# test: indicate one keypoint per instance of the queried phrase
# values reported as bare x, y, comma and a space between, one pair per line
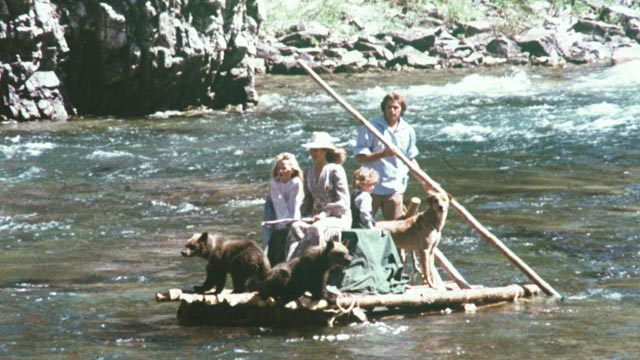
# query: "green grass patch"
509, 16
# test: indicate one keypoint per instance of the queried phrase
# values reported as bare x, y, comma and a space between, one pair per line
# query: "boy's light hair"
363, 176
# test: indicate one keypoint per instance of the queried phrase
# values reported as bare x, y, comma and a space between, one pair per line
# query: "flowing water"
94, 212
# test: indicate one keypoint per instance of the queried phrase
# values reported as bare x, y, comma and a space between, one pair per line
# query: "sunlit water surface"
93, 213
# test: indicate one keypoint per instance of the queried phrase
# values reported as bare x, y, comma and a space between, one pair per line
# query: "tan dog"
421, 233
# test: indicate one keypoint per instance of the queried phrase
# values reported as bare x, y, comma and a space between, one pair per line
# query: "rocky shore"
60, 58
606, 34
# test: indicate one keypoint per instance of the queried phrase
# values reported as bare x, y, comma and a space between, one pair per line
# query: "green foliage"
576, 7
409, 5
457, 10
284, 13
329, 12
385, 15
516, 16
335, 14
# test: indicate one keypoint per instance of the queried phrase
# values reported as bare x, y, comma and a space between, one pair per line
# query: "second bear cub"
309, 272
243, 259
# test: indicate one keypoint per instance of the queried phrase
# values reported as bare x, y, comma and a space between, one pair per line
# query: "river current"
94, 212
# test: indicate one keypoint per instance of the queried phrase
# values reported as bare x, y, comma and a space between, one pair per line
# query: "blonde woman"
285, 193
286, 187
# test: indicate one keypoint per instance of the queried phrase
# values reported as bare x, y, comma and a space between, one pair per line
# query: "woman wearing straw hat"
326, 199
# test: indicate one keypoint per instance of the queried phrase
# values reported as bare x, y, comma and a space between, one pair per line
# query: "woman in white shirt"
286, 193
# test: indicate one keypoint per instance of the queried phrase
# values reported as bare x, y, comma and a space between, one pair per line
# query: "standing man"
388, 194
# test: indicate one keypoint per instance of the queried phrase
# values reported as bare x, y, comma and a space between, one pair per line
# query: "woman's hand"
319, 217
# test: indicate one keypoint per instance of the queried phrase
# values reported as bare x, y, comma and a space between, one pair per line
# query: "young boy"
364, 180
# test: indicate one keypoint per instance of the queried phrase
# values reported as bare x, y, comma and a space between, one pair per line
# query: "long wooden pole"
421, 175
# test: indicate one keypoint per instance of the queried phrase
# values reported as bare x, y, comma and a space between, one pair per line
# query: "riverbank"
358, 36
135, 58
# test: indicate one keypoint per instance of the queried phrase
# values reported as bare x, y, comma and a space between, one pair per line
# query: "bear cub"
243, 259
309, 272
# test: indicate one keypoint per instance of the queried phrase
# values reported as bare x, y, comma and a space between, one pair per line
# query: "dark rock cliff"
124, 57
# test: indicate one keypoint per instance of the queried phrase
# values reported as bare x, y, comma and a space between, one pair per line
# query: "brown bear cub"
243, 259
309, 272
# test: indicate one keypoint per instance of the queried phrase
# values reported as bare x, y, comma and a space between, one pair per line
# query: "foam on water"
621, 75
245, 203
182, 208
31, 173
600, 109
101, 154
12, 225
596, 126
478, 85
461, 132
29, 149
272, 101
597, 293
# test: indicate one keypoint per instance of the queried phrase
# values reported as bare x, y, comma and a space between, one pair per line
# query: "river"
94, 212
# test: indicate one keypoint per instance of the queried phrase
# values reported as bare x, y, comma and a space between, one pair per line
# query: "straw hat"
320, 140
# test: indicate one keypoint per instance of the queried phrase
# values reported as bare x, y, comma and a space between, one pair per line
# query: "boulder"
445, 45
626, 53
503, 47
471, 28
633, 30
474, 59
379, 49
479, 41
419, 39
410, 56
352, 61
597, 28
306, 35
624, 12
539, 42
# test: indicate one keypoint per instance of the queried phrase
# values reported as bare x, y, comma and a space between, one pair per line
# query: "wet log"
247, 309
429, 298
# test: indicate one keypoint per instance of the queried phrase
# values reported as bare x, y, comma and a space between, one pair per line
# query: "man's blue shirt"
394, 174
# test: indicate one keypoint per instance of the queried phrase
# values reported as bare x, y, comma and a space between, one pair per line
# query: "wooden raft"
248, 309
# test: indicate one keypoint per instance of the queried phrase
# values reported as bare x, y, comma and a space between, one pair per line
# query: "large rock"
503, 47
597, 28
419, 39
539, 42
378, 49
472, 28
125, 57
306, 35
626, 53
32, 47
633, 30
412, 57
